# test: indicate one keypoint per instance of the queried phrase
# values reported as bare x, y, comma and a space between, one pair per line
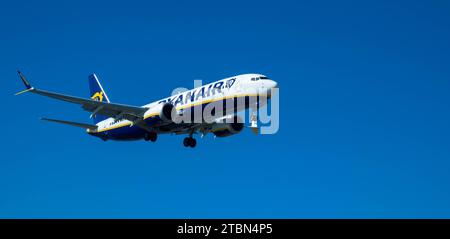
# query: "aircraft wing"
114, 110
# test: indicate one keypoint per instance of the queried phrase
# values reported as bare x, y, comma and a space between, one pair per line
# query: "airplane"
113, 121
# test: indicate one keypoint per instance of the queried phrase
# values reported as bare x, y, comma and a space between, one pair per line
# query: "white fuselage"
237, 86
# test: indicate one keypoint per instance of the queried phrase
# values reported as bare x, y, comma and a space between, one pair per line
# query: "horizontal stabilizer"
81, 125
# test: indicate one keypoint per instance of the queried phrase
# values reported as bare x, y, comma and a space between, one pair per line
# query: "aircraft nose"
272, 84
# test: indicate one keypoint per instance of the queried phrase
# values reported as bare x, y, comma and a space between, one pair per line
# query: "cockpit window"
254, 79
264, 78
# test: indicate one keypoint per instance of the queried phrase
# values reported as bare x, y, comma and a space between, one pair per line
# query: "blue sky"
364, 101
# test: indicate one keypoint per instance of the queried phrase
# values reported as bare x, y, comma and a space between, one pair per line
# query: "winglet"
25, 82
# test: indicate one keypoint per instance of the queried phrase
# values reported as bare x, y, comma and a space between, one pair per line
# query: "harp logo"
230, 83
98, 96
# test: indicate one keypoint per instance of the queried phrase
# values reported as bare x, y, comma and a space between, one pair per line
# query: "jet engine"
164, 111
224, 129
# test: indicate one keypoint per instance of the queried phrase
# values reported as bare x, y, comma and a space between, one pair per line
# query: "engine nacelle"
227, 129
164, 111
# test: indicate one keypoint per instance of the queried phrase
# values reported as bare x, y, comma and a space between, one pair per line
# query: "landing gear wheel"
151, 136
193, 143
189, 142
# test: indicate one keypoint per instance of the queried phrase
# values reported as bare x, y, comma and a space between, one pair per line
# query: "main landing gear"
189, 142
152, 136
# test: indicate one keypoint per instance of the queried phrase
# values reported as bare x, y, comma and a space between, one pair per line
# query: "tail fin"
97, 93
